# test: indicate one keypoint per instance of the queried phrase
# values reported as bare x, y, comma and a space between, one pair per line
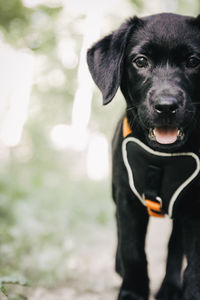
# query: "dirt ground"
96, 279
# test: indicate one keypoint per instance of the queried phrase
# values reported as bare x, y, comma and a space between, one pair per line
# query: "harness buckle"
154, 207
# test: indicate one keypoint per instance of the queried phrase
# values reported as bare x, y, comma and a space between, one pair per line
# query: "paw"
169, 291
129, 295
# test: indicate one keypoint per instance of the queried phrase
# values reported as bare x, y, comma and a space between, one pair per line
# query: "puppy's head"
156, 62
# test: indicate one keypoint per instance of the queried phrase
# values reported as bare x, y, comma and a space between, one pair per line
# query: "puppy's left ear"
106, 59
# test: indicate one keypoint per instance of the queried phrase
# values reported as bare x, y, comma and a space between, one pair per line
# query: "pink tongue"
166, 135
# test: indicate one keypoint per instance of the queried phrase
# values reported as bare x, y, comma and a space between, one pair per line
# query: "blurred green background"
55, 195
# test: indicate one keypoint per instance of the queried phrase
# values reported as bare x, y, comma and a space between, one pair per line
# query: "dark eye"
192, 62
141, 62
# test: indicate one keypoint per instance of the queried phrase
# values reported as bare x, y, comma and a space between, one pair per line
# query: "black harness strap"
152, 190
152, 182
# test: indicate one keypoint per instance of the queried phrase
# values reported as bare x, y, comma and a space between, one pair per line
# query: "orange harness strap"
154, 208
126, 127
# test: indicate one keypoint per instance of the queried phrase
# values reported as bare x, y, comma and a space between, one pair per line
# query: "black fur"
163, 93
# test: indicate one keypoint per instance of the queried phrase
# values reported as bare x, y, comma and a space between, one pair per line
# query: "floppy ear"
106, 59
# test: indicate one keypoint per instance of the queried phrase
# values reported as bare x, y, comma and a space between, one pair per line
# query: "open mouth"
166, 135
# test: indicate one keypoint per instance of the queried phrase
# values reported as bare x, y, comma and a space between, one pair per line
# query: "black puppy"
155, 61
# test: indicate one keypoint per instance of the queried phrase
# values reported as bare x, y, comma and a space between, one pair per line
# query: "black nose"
166, 105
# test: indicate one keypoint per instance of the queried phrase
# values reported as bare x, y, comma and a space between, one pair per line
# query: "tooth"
151, 134
180, 134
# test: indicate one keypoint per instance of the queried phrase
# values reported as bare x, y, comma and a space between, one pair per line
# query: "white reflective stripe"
162, 154
128, 167
185, 183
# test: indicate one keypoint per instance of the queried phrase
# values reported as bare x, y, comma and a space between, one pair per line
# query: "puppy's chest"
159, 180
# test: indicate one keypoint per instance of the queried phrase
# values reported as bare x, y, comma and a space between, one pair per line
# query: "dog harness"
159, 180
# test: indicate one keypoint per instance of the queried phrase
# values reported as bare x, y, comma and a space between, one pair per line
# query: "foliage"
28, 27
139, 4
12, 280
188, 7
12, 10
44, 203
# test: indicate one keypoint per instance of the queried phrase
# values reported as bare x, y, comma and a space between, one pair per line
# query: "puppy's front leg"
191, 283
132, 222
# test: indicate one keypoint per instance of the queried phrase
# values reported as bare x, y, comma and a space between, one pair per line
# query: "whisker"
131, 108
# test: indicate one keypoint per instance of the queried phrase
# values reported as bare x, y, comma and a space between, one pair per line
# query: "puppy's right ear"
106, 59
